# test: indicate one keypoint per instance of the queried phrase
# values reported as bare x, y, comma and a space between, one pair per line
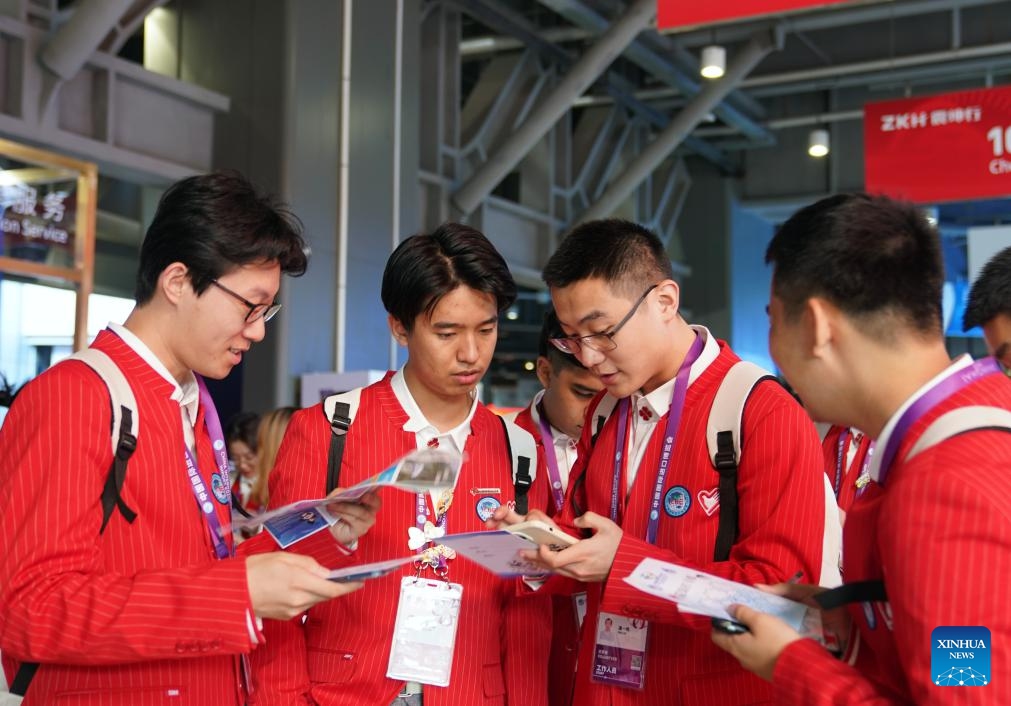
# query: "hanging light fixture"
817, 143
714, 61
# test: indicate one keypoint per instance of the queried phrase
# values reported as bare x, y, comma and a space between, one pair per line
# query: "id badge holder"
424, 634
619, 651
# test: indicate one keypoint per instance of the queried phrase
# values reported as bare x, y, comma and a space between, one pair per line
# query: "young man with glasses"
927, 545
990, 307
149, 605
443, 292
644, 485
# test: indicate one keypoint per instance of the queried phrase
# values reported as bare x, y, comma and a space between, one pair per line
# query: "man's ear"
173, 282
544, 371
820, 324
669, 296
397, 329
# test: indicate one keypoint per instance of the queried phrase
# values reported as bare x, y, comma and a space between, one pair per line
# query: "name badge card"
425, 631
619, 654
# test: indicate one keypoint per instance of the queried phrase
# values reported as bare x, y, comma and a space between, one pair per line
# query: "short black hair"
243, 427
214, 223
872, 257
426, 267
624, 254
991, 292
552, 329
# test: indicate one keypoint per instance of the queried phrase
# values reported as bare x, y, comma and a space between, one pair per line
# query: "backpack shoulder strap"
340, 411
601, 413
123, 433
723, 438
961, 420
522, 453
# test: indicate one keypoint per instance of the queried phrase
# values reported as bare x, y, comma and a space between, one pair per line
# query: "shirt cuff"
255, 627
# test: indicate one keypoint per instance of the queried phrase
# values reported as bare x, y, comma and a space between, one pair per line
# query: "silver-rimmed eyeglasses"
600, 342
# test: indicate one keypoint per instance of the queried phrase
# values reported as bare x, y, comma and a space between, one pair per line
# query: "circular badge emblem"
486, 507
219, 444
219, 489
677, 501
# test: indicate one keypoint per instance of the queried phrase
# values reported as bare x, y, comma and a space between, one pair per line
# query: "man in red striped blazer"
864, 347
154, 609
555, 419
645, 485
443, 292
989, 306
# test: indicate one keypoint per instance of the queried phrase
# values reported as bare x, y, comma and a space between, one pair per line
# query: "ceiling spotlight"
512, 313
714, 61
817, 143
528, 366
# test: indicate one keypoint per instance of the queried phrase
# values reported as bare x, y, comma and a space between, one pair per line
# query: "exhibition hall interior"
379, 119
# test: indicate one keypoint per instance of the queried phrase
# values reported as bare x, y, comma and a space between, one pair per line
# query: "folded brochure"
495, 550
421, 471
361, 572
700, 593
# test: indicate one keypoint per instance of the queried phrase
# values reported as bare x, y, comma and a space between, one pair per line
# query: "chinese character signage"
38, 219
686, 13
951, 147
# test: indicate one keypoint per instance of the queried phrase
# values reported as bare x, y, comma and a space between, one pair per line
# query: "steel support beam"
681, 126
619, 89
582, 74
657, 64
71, 45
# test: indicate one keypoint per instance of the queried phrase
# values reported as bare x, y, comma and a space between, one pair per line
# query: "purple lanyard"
218, 535
422, 505
840, 459
554, 476
927, 401
677, 404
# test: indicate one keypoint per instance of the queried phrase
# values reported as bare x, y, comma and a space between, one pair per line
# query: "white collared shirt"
564, 446
657, 403
424, 431
187, 394
874, 469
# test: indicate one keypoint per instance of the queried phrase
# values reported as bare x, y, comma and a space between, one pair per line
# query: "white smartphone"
541, 532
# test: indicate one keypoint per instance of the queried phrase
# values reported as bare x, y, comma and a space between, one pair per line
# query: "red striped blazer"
339, 654
781, 521
143, 614
939, 532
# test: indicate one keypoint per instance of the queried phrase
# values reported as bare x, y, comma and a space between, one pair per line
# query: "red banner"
951, 147
686, 13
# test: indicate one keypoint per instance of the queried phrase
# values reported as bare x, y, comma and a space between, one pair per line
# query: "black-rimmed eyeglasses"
600, 342
256, 311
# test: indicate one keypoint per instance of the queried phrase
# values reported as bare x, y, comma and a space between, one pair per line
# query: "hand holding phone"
541, 532
729, 627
